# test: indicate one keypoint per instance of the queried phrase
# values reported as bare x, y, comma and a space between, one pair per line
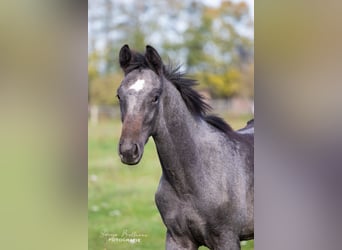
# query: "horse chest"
180, 215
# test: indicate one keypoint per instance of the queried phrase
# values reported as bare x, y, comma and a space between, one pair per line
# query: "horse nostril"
129, 151
136, 149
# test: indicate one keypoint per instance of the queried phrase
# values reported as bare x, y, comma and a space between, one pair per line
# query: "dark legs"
228, 241
179, 243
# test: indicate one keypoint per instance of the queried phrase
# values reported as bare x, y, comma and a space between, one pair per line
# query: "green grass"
121, 198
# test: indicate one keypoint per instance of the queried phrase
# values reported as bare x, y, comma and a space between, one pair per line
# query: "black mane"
138, 61
193, 100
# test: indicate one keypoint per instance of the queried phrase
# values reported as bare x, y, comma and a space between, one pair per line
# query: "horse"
206, 191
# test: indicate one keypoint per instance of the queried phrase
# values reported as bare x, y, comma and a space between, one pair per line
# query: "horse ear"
153, 58
125, 56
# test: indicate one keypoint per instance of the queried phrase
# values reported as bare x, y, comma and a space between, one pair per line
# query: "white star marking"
138, 85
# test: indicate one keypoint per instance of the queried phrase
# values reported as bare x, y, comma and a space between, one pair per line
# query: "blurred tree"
217, 53
247, 86
130, 27
209, 40
102, 90
93, 72
223, 85
93, 61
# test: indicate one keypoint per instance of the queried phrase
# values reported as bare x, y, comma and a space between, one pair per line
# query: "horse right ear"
154, 58
125, 56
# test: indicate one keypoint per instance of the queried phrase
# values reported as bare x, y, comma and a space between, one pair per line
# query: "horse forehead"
144, 80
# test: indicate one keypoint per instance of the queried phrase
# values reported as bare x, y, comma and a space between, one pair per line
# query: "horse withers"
206, 191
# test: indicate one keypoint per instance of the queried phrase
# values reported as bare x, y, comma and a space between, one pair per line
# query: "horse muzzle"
130, 153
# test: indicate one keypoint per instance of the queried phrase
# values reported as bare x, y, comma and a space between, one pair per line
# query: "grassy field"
121, 209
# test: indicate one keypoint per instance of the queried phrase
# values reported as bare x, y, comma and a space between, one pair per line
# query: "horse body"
205, 194
202, 180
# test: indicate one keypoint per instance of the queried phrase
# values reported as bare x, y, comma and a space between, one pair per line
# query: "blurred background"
214, 43
212, 40
44, 129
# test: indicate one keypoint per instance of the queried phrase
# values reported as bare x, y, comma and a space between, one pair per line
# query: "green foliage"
221, 85
111, 60
93, 62
102, 90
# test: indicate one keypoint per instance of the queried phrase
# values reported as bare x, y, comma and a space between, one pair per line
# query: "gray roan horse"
205, 194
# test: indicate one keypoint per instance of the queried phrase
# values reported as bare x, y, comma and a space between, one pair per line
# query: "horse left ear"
154, 59
125, 56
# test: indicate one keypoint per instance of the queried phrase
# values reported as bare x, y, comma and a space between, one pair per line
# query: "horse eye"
118, 97
155, 99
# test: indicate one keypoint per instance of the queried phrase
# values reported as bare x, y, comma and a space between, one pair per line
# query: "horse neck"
175, 140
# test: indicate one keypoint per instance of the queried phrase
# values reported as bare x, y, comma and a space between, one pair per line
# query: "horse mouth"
129, 160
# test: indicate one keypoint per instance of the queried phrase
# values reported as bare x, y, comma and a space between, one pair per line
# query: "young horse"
205, 194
